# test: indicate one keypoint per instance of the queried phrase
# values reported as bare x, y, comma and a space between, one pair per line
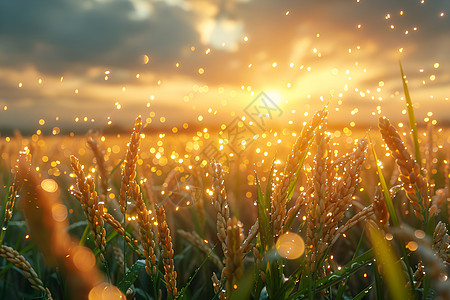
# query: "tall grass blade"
378, 282
181, 294
244, 286
387, 196
263, 207
364, 292
384, 253
293, 183
341, 288
411, 118
131, 276
350, 268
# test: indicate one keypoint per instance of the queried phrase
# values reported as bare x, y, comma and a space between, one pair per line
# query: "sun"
276, 97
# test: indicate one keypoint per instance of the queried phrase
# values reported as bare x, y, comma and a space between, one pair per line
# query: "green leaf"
197, 293
181, 293
364, 292
378, 282
244, 286
289, 285
387, 196
339, 276
412, 118
117, 166
131, 275
293, 183
268, 191
385, 254
341, 289
265, 227
85, 235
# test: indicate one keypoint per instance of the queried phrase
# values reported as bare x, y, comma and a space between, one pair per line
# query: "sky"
78, 64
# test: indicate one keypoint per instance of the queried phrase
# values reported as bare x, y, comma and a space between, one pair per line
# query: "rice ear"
129, 164
165, 239
414, 183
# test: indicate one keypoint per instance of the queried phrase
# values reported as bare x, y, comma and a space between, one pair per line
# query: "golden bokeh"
290, 245
83, 258
146, 59
49, 185
105, 291
59, 212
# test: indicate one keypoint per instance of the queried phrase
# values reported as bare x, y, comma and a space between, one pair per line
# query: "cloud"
81, 39
57, 36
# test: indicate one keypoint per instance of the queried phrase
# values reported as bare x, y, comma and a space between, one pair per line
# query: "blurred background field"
177, 171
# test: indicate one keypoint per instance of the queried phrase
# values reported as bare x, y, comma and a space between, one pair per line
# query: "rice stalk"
129, 164
92, 208
16, 186
318, 199
287, 180
293, 211
413, 182
131, 243
99, 155
364, 214
221, 204
252, 233
22, 264
419, 275
337, 201
145, 228
202, 245
165, 240
233, 260
429, 158
441, 242
217, 287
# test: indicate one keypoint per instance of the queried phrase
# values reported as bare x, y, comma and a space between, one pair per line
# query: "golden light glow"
59, 212
83, 258
49, 185
105, 291
290, 245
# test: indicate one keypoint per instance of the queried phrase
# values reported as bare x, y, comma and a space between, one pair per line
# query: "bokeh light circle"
49, 185
83, 258
105, 291
290, 245
59, 212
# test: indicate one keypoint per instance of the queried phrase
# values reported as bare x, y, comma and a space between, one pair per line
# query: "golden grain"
170, 275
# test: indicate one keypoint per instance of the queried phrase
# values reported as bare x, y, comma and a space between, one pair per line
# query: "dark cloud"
71, 35
75, 37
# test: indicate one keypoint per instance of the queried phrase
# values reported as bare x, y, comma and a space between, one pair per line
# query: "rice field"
316, 213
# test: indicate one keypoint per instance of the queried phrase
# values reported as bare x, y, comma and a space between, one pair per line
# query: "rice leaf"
384, 253
350, 268
263, 206
181, 294
387, 196
378, 282
289, 285
341, 288
411, 118
131, 276
244, 286
364, 292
